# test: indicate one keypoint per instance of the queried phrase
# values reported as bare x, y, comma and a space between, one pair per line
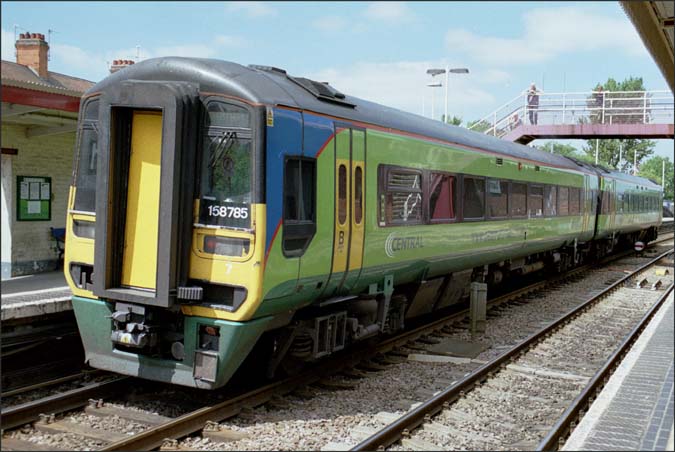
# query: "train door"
139, 261
350, 184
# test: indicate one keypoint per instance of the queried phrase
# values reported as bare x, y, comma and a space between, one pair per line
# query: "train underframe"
333, 325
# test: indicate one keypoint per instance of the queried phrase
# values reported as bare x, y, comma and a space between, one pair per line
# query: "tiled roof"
14, 74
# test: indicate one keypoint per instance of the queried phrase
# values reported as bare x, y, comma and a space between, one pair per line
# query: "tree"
454, 120
561, 149
652, 169
608, 149
480, 126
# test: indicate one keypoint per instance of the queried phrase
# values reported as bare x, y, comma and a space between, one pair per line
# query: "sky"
378, 51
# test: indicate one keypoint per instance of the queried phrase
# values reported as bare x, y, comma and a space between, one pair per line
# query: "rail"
574, 412
590, 107
417, 416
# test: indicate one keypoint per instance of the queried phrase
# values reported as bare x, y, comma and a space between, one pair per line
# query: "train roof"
273, 86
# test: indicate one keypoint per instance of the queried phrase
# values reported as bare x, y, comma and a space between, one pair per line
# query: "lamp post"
433, 100
434, 73
447, 71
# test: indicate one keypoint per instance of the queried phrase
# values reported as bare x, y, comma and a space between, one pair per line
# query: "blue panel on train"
318, 131
283, 138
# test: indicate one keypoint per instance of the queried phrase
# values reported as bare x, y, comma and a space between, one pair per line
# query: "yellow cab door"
349, 210
139, 262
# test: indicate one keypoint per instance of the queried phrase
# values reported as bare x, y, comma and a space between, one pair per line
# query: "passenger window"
443, 197
550, 201
574, 201
498, 198
403, 196
474, 198
299, 205
358, 195
518, 199
535, 201
604, 208
563, 201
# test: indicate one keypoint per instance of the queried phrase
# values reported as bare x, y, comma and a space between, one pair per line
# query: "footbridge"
591, 114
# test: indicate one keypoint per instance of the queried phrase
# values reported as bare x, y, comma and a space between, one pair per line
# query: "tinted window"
342, 194
299, 190
87, 156
299, 193
498, 198
550, 200
474, 197
535, 201
518, 199
563, 201
574, 201
358, 195
604, 206
443, 197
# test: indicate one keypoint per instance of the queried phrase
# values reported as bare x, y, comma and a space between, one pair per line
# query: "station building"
39, 120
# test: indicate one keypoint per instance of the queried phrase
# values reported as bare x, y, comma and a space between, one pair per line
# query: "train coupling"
130, 329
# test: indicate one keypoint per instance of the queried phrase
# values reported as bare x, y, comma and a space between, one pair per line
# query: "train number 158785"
228, 211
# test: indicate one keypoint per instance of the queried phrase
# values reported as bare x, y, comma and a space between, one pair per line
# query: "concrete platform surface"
634, 411
35, 295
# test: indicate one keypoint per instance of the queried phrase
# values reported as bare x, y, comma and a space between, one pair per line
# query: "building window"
474, 198
498, 198
299, 205
535, 201
443, 197
518, 199
550, 201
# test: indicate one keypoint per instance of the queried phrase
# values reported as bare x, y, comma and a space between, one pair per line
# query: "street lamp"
434, 73
446, 71
433, 100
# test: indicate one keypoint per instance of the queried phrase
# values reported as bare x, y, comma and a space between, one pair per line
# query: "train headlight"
226, 246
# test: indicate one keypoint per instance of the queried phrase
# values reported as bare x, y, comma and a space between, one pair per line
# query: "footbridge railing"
591, 107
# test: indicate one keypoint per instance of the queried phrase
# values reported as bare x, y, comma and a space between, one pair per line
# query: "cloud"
548, 33
329, 24
390, 12
8, 45
402, 85
251, 9
80, 61
230, 41
185, 50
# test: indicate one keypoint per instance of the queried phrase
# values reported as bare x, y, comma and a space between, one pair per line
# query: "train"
221, 213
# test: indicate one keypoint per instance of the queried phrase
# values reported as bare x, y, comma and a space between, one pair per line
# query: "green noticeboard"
33, 198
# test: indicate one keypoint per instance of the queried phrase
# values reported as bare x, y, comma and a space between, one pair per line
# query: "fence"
592, 107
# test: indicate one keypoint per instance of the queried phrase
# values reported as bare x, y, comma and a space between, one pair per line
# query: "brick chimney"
120, 64
31, 51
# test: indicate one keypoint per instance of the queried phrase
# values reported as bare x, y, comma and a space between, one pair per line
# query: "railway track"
152, 430
552, 370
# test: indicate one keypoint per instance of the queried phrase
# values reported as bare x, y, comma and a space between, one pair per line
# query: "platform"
634, 411
35, 295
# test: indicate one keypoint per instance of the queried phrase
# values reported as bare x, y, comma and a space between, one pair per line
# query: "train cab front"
168, 276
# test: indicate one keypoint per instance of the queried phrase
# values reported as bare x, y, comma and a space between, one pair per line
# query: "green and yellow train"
219, 211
